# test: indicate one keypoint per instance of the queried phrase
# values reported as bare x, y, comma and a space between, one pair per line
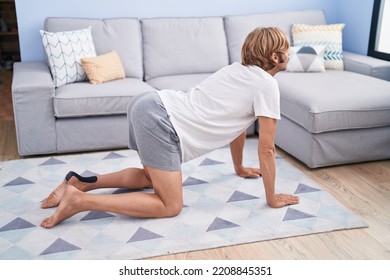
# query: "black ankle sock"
91, 179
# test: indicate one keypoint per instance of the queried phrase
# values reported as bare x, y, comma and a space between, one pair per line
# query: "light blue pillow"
306, 59
64, 51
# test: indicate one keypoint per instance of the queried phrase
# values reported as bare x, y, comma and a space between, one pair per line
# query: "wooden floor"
364, 188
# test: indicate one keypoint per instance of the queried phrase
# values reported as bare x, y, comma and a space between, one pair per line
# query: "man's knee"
176, 209
172, 210
167, 186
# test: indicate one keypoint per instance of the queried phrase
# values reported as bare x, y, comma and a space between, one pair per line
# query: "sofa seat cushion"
178, 82
334, 100
86, 99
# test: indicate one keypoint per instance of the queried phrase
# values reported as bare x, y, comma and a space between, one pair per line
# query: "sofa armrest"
367, 65
32, 96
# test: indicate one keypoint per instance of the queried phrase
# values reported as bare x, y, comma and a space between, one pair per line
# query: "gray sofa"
328, 118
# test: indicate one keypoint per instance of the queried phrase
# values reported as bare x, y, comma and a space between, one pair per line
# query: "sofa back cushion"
238, 27
177, 46
122, 35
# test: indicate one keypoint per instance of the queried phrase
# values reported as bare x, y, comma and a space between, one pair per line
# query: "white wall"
31, 14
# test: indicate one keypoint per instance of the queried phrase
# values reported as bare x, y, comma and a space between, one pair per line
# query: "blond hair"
261, 44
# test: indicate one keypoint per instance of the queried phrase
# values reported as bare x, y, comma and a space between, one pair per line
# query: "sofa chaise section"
332, 117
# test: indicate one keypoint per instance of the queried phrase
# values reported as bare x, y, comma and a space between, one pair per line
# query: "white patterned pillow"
329, 35
64, 51
306, 59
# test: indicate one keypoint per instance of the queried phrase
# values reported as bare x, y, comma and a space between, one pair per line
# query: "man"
169, 127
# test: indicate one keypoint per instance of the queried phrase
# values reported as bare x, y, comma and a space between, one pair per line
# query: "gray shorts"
152, 134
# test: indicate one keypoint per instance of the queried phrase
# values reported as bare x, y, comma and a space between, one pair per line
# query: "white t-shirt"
220, 108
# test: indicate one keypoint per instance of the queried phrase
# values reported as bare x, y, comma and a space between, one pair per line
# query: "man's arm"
236, 149
266, 151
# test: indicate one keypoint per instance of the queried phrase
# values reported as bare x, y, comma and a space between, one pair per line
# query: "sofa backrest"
238, 27
120, 34
157, 47
177, 46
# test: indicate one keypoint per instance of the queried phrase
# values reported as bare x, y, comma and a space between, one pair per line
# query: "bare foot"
68, 207
281, 200
54, 198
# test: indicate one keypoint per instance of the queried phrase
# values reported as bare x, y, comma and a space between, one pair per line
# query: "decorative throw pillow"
328, 35
64, 51
306, 59
103, 68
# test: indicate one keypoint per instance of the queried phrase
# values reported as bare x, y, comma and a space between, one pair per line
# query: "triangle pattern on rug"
240, 196
219, 210
219, 223
59, 246
302, 188
52, 161
208, 161
113, 155
18, 181
143, 234
293, 214
17, 223
88, 173
94, 215
190, 181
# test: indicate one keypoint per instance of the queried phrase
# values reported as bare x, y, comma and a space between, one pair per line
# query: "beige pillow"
103, 68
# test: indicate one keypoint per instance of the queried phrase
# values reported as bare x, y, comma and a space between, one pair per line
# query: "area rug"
220, 209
